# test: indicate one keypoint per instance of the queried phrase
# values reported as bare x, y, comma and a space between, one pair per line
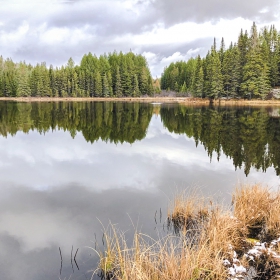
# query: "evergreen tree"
105, 86
98, 85
271, 38
198, 79
23, 88
125, 78
118, 84
143, 82
255, 72
222, 50
136, 91
184, 88
214, 83
231, 71
243, 45
9, 79
52, 82
176, 87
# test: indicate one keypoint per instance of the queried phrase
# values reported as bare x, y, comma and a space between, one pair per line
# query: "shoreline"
181, 100
203, 239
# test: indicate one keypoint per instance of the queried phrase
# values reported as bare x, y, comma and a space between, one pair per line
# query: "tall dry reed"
206, 235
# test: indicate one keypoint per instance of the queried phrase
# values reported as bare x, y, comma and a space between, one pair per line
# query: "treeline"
114, 122
247, 69
249, 136
115, 75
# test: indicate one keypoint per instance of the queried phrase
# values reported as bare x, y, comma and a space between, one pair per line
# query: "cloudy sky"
162, 30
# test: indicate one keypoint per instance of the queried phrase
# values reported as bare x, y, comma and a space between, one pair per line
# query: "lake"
68, 170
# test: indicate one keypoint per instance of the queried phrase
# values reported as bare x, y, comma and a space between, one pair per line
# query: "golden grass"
258, 210
182, 100
189, 211
207, 234
165, 259
106, 99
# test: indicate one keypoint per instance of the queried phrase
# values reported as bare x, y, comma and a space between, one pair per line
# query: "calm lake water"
68, 169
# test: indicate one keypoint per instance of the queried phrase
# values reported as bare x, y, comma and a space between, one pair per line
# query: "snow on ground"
237, 271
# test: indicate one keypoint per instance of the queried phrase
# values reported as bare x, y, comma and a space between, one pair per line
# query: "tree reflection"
108, 121
249, 136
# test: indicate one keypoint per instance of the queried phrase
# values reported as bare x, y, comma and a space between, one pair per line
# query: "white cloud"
157, 64
56, 35
14, 38
52, 31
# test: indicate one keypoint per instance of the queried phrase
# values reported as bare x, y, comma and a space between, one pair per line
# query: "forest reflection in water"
65, 166
114, 122
249, 136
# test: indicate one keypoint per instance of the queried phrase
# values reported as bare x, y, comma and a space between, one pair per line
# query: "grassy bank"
160, 99
210, 241
120, 99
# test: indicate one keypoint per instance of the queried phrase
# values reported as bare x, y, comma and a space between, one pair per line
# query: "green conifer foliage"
23, 74
183, 88
246, 69
105, 86
135, 87
9, 79
52, 81
118, 83
98, 85
198, 81
143, 82
231, 71
176, 87
256, 72
109, 75
214, 83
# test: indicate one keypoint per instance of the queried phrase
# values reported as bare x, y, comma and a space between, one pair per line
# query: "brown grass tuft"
166, 259
258, 208
206, 235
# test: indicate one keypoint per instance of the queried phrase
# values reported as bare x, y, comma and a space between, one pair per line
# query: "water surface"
69, 168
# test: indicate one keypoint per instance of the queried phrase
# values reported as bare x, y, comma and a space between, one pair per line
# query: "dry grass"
206, 234
205, 221
165, 259
188, 212
258, 210
182, 100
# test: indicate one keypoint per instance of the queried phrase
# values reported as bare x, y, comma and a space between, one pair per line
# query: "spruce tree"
231, 71
198, 79
23, 88
135, 86
214, 84
125, 78
274, 57
255, 72
98, 85
143, 82
183, 88
222, 50
118, 84
9, 79
52, 81
176, 87
105, 86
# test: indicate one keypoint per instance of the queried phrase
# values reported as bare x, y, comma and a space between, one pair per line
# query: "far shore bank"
181, 100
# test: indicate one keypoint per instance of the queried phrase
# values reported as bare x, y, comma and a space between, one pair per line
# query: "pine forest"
112, 75
248, 69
